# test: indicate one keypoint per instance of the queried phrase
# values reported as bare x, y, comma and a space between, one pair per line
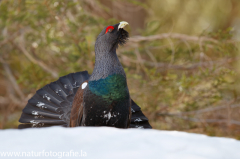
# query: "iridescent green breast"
112, 88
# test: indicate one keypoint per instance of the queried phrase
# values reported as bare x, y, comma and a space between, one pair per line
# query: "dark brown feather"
77, 108
130, 115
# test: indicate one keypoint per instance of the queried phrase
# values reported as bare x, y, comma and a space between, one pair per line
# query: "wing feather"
77, 108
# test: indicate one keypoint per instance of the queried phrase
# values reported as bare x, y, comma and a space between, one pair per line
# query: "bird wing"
77, 107
130, 114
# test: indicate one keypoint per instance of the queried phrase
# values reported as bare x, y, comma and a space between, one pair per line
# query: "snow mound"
113, 143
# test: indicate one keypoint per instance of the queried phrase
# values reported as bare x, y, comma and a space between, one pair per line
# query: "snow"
113, 143
34, 113
137, 120
108, 116
46, 96
40, 105
132, 110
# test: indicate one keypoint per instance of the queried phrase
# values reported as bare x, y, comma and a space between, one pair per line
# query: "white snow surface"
113, 143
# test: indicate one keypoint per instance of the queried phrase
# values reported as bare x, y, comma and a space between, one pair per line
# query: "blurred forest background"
181, 59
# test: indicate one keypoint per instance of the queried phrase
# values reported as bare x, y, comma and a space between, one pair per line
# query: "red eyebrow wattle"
109, 27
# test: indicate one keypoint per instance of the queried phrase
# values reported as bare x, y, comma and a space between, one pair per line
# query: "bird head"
112, 36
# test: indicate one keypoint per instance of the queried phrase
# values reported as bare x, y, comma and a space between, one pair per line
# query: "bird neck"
106, 64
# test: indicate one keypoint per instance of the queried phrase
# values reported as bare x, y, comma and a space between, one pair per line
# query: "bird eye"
109, 29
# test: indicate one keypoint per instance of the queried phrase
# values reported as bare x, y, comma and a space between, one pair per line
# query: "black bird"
80, 99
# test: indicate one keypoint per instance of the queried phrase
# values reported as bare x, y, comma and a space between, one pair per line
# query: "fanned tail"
138, 120
51, 105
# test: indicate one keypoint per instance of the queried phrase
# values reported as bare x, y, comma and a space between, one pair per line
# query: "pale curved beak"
122, 24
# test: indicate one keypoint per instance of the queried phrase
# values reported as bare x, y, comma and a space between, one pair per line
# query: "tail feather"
138, 120
143, 125
39, 120
67, 84
135, 107
41, 103
138, 116
59, 90
31, 110
24, 126
53, 96
49, 97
